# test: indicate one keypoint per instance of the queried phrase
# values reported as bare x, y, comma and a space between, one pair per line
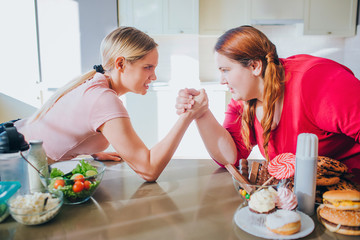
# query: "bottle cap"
11, 140
35, 141
307, 146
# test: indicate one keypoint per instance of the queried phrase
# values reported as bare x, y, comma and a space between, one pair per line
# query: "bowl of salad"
76, 179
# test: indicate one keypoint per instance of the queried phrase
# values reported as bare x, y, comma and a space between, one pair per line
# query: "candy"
282, 166
244, 168
242, 181
243, 193
254, 172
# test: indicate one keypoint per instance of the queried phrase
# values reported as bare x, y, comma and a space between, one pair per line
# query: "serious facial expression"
138, 75
240, 80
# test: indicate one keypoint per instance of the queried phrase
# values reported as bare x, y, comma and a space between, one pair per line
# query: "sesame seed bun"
340, 221
342, 199
333, 228
352, 195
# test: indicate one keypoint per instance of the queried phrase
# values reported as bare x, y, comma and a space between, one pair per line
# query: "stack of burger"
331, 176
340, 211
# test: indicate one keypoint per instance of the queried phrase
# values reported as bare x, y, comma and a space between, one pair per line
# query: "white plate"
255, 224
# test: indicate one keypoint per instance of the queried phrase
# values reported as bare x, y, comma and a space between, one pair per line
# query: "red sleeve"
333, 94
232, 124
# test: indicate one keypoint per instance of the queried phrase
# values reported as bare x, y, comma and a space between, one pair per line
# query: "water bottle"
305, 172
37, 157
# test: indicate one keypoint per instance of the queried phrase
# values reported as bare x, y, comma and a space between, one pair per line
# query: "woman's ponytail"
273, 87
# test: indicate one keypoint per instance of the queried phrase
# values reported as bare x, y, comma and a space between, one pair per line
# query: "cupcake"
286, 199
263, 201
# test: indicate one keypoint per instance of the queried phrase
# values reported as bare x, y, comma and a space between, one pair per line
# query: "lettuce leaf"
55, 172
82, 167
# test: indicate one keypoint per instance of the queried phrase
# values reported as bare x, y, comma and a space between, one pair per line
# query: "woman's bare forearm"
162, 152
217, 139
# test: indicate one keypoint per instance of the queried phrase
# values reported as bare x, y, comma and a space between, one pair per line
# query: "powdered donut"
283, 222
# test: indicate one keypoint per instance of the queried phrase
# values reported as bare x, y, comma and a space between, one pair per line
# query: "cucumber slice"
90, 173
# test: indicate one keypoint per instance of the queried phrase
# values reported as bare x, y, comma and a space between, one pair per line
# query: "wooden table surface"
192, 199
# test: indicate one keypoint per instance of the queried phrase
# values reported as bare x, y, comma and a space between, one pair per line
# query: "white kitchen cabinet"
330, 17
160, 16
181, 16
218, 16
276, 11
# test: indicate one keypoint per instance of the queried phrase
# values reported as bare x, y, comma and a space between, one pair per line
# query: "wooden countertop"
192, 199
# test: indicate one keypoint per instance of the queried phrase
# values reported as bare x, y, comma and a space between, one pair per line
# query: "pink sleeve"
332, 92
106, 106
232, 124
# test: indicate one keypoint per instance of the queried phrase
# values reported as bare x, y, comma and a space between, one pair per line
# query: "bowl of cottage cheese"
35, 208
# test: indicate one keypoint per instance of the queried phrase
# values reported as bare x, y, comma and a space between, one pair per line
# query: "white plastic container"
37, 157
305, 172
14, 168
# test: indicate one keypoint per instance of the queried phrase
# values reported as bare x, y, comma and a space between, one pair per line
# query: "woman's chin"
143, 92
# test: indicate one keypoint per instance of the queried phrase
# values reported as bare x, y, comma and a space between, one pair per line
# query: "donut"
283, 222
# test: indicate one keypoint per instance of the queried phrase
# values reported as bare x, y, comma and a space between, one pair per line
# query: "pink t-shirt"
321, 97
70, 127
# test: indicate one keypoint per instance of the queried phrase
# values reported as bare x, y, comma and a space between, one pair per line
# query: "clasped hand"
192, 101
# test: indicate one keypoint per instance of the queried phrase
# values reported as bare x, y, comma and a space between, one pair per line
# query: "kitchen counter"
192, 199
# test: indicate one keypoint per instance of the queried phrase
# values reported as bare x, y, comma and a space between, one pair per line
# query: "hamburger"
342, 199
340, 211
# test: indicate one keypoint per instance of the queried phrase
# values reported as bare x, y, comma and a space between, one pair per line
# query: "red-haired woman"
275, 99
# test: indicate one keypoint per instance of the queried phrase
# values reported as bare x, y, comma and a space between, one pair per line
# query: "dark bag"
11, 140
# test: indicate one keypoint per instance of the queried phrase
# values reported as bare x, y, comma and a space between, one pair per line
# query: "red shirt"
321, 97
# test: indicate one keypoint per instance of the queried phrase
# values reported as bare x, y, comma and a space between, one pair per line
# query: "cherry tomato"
59, 182
87, 184
79, 178
78, 186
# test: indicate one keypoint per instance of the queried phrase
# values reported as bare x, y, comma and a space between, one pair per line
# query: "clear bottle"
305, 172
37, 157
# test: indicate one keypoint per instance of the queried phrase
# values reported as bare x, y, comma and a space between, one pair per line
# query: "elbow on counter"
149, 176
223, 163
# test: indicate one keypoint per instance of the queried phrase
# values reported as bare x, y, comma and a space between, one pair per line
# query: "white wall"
19, 64
352, 53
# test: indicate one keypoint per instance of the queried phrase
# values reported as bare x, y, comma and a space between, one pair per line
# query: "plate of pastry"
280, 224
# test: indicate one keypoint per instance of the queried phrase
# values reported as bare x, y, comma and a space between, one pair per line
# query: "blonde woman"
86, 115
275, 99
